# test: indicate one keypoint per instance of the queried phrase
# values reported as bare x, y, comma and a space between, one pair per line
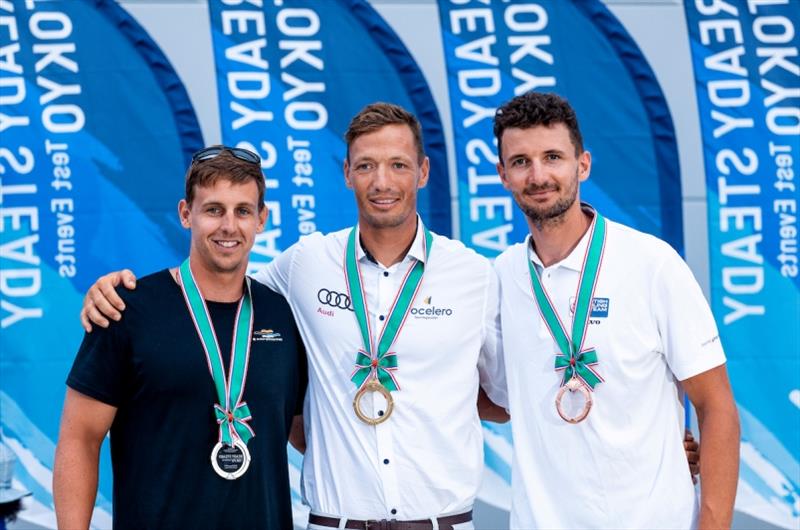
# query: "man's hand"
297, 435
488, 411
102, 301
692, 449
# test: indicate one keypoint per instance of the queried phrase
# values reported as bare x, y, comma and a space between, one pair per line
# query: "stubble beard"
553, 215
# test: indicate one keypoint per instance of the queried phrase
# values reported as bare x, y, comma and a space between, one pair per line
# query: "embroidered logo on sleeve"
266, 335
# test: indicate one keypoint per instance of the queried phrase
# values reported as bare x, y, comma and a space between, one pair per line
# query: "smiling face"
541, 168
224, 218
384, 171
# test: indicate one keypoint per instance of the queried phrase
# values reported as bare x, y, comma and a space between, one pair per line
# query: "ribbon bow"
579, 364
229, 421
382, 368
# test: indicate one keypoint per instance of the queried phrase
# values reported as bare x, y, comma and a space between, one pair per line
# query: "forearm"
75, 482
719, 465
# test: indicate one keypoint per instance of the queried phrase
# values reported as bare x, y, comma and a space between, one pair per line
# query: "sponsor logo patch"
428, 311
266, 335
599, 308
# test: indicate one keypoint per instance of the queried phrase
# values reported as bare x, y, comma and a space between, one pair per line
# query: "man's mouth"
226, 243
383, 202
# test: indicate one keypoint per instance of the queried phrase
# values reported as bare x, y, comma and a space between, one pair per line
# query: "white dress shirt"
624, 466
426, 460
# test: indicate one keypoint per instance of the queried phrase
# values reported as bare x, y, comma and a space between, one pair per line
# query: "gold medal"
373, 385
574, 385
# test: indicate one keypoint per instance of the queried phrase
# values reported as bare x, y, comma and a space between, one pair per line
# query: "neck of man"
388, 245
554, 239
218, 286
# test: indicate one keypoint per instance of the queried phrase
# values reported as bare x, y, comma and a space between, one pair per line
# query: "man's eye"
519, 162
244, 211
399, 165
553, 156
214, 210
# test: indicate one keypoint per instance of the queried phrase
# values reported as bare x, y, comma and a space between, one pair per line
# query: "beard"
548, 215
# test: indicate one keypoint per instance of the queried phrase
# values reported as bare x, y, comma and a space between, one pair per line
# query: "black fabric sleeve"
100, 367
302, 372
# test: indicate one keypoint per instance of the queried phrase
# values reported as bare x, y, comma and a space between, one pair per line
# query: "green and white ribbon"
230, 411
376, 361
574, 359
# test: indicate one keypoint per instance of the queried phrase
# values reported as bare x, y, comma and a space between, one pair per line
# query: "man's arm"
710, 393
102, 302
84, 424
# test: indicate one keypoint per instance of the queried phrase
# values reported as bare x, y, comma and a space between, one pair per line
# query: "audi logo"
334, 299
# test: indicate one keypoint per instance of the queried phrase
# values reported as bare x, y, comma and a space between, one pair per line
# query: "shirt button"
381, 318
380, 413
394, 511
386, 273
386, 461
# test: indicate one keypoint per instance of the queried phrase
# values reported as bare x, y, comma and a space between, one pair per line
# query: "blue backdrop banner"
289, 80
96, 131
581, 51
748, 93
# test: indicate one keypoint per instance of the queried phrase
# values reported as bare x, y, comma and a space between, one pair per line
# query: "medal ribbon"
230, 411
380, 363
574, 359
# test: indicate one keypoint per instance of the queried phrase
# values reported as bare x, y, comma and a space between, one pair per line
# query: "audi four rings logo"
334, 299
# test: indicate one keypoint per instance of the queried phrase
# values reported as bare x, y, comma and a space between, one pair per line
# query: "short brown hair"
378, 115
224, 166
536, 108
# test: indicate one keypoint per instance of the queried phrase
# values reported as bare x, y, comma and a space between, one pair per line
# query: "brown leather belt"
445, 523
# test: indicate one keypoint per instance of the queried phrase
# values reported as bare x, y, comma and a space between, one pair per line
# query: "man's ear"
183, 213
346, 169
262, 218
584, 165
424, 171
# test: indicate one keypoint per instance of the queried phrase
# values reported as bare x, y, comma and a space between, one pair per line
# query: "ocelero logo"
429, 311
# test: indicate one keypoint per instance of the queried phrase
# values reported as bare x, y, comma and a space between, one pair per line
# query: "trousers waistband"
445, 523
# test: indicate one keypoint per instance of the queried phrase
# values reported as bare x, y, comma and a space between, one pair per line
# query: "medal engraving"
574, 385
230, 461
373, 386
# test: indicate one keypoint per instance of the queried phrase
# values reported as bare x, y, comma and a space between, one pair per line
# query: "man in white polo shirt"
401, 329
602, 325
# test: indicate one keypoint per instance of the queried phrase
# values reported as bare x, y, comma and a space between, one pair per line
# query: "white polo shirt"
624, 466
427, 459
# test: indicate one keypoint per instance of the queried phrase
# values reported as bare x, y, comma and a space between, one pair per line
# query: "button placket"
387, 285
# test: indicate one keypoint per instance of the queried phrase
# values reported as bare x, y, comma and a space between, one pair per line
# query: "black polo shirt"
151, 366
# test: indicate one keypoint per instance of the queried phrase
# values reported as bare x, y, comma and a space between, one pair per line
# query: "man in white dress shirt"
643, 330
414, 322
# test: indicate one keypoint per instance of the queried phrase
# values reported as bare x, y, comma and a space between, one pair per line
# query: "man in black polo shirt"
205, 361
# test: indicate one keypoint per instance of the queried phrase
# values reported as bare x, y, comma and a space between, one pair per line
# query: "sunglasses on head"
212, 152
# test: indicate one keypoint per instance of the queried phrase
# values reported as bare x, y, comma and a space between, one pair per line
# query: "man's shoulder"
147, 287
458, 251
263, 295
635, 242
317, 241
510, 255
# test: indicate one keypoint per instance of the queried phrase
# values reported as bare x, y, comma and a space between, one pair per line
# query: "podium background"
154, 87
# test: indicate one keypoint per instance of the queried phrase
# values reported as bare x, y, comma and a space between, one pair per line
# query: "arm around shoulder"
84, 424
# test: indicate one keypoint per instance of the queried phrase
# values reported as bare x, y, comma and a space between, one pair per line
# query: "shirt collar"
417, 250
574, 260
